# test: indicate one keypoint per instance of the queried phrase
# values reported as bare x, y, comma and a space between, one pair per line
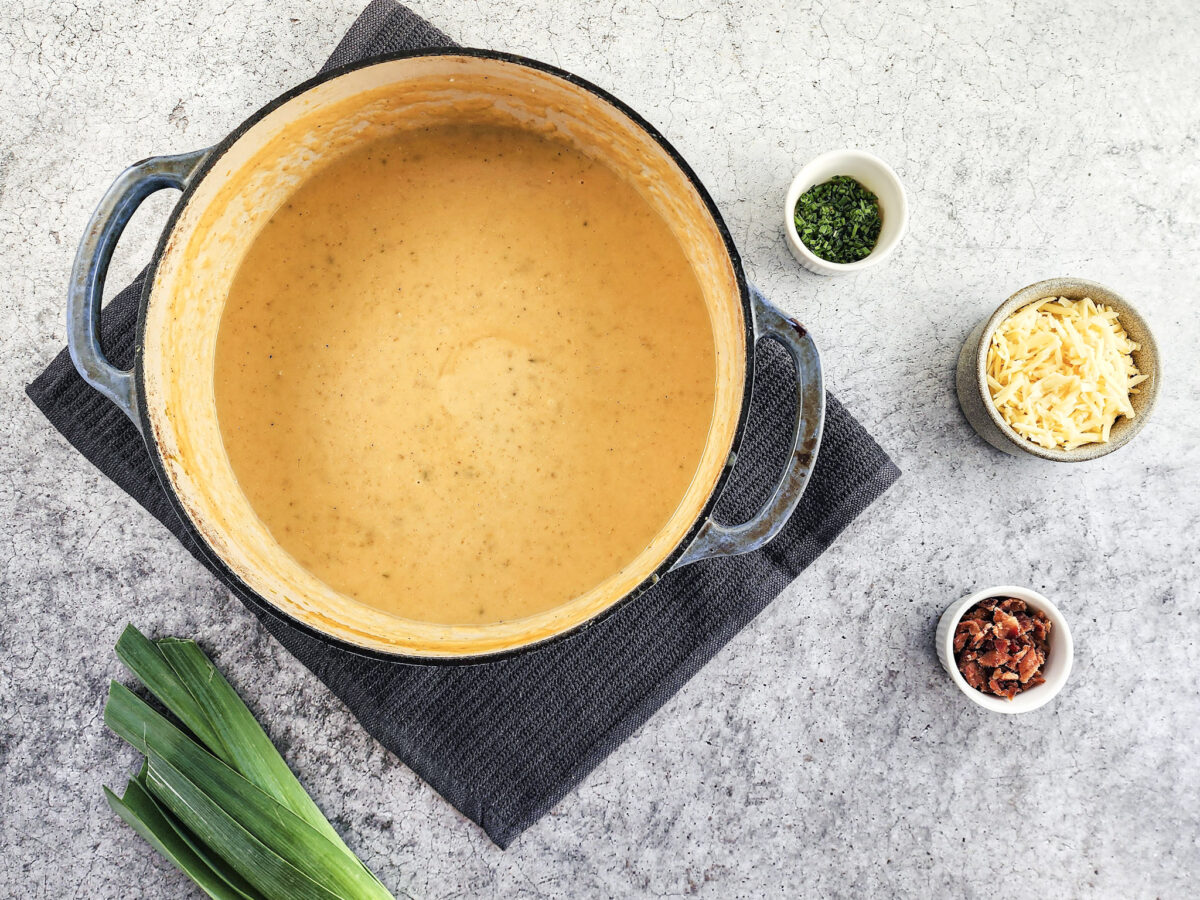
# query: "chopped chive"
838, 220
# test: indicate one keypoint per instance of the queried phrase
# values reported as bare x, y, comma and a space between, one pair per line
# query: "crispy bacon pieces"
1001, 646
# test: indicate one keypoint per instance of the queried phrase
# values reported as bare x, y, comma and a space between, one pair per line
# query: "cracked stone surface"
823, 752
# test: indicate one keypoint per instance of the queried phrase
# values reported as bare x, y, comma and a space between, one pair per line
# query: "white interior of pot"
252, 180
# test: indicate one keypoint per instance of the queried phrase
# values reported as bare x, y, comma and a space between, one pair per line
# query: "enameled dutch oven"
229, 191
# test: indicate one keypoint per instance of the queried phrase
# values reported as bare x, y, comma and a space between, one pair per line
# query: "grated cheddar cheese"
1061, 372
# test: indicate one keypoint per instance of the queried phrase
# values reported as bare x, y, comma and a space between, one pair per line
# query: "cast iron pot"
228, 192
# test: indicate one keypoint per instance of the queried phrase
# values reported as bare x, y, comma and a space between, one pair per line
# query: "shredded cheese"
1061, 372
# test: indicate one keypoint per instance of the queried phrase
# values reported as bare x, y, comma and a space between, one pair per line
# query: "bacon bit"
1029, 664
993, 658
1006, 626
973, 674
969, 630
1001, 645
999, 688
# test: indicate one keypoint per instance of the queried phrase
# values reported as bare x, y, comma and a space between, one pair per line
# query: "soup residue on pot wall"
465, 374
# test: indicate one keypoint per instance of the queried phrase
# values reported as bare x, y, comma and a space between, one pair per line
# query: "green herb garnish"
214, 796
838, 220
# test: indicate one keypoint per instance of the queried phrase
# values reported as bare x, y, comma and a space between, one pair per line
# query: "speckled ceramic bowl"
1059, 656
976, 399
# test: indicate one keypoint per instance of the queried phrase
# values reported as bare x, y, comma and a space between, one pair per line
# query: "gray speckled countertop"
823, 752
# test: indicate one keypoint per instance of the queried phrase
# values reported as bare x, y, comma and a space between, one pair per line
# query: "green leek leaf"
221, 803
141, 813
250, 750
146, 661
256, 862
242, 887
274, 825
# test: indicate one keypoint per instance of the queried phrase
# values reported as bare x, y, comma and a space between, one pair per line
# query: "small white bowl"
1059, 656
872, 173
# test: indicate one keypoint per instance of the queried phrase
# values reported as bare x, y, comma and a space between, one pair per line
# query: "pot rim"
263, 607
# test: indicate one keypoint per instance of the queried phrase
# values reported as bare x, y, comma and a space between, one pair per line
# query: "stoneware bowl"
872, 173
1058, 658
976, 398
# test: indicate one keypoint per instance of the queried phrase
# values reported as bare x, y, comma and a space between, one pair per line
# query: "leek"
215, 797
255, 861
143, 815
145, 660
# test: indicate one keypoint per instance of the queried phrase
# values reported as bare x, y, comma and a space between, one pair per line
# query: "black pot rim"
264, 607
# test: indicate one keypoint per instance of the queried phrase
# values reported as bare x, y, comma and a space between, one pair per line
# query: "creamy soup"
465, 374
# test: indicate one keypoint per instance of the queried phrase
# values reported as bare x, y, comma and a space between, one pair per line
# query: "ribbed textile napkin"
503, 742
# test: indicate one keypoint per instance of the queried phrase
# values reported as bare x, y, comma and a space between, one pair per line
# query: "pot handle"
86, 289
715, 539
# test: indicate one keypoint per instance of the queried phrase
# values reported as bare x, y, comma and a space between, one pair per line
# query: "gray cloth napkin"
504, 741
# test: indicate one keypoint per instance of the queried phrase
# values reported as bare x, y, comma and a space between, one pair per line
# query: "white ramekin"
872, 173
1058, 658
